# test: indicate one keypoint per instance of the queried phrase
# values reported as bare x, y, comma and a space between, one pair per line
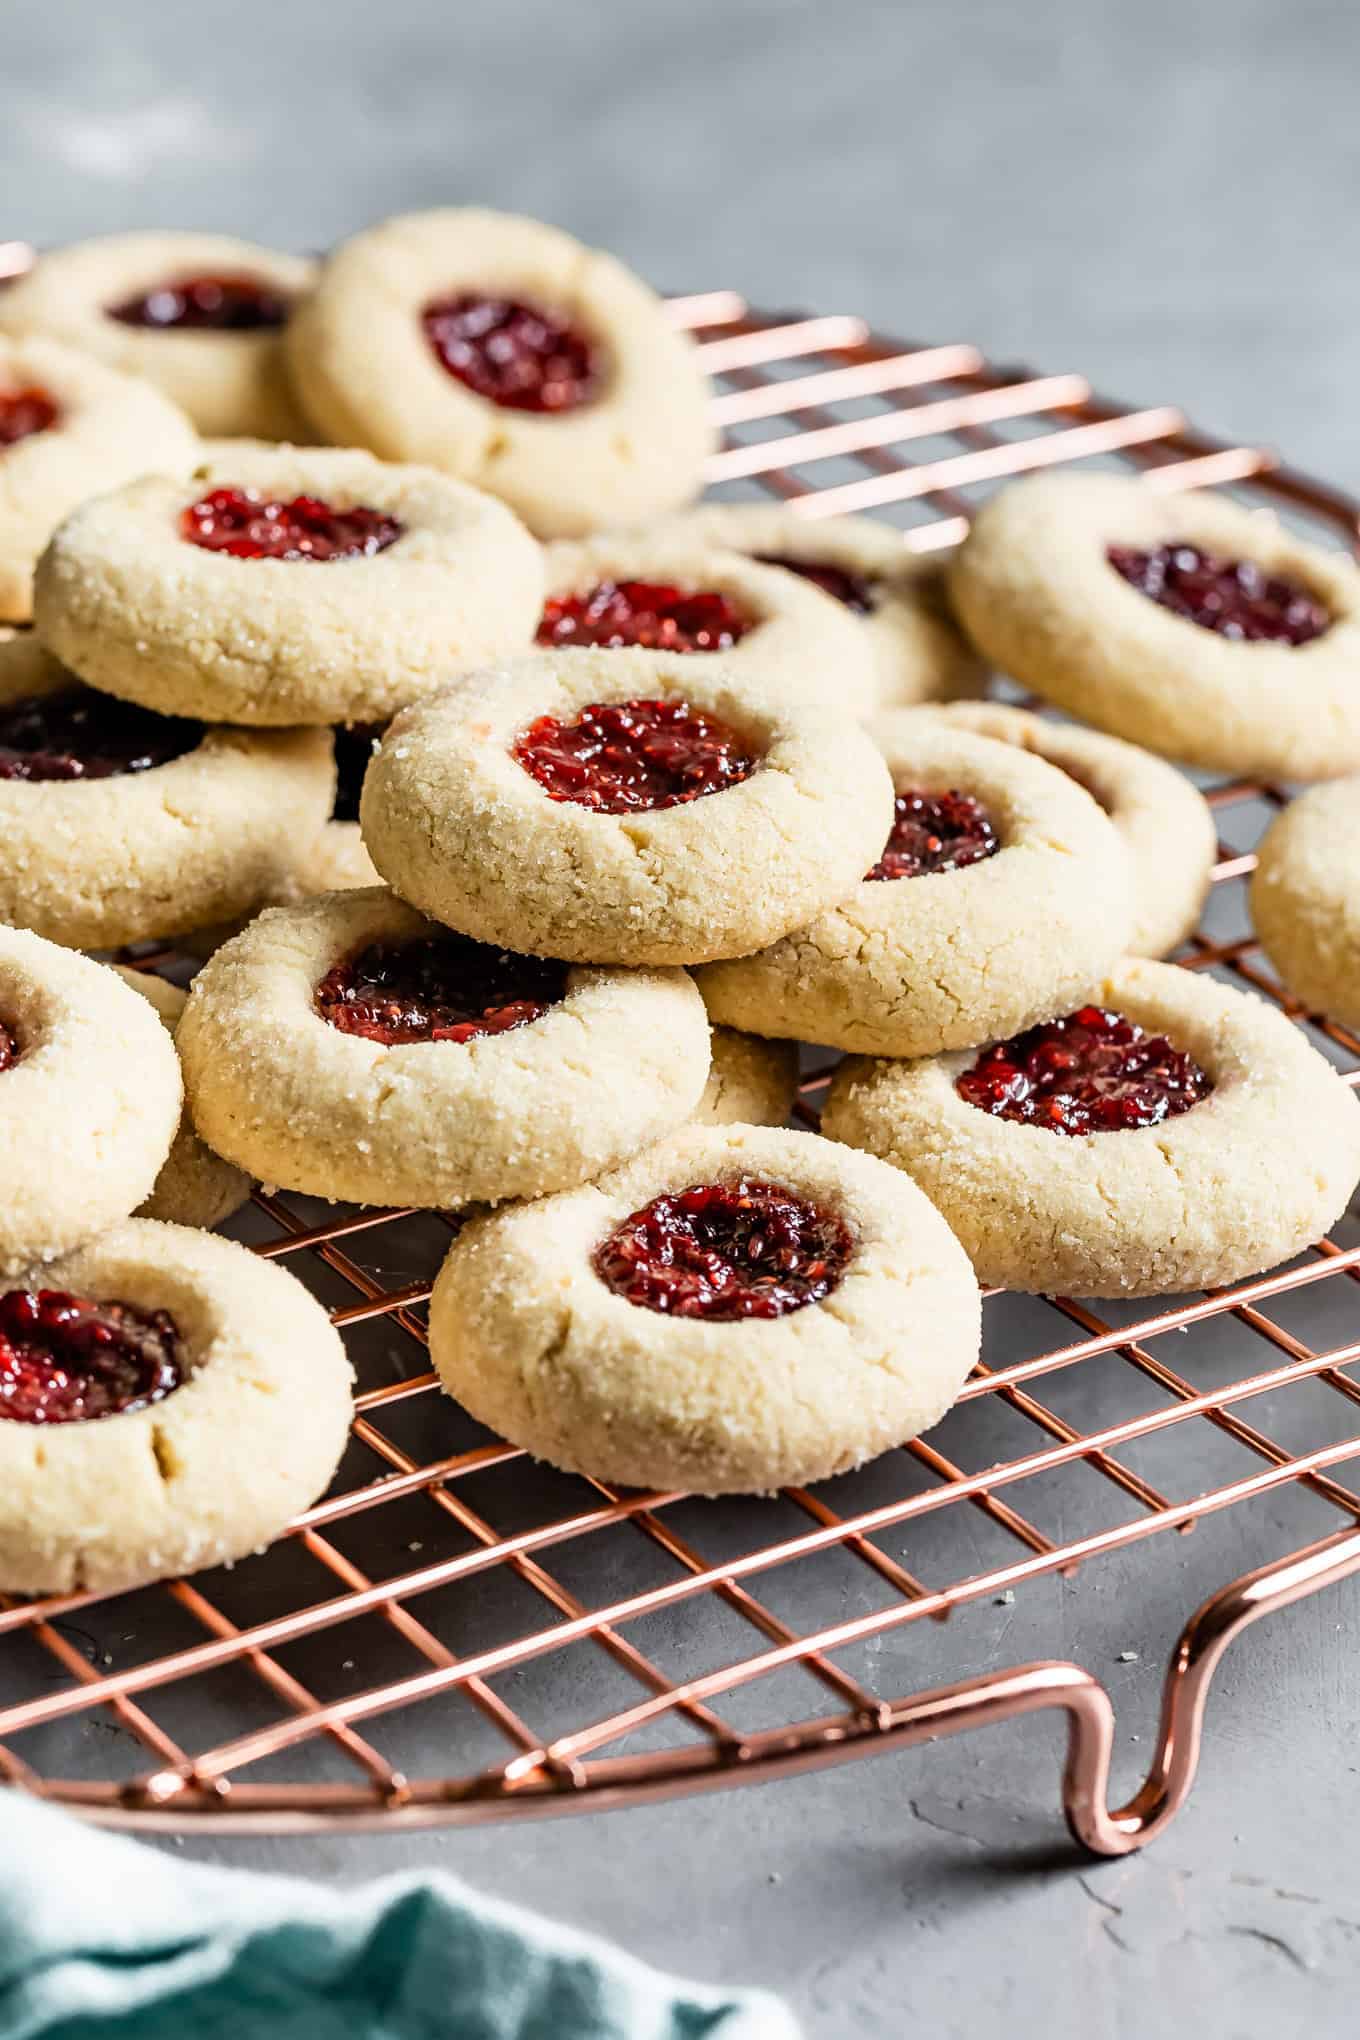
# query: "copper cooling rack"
455, 1634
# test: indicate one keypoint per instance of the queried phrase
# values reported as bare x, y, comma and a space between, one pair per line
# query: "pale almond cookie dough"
89, 1100
460, 827
1305, 900
945, 958
195, 1187
896, 597
1036, 592
209, 1470
789, 637
368, 374
140, 610
230, 380
106, 429
615, 1062
534, 1342
751, 1082
1166, 823
146, 854
1252, 1173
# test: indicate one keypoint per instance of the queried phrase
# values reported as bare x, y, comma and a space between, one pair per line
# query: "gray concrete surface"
1163, 197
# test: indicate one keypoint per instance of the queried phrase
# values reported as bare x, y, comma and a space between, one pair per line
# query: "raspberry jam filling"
65, 1359
852, 590
1092, 1072
936, 832
249, 526
650, 613
442, 987
721, 1251
515, 354
354, 744
205, 304
24, 412
1237, 598
81, 734
621, 756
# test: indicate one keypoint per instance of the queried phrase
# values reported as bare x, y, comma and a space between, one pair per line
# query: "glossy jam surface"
852, 590
518, 355
23, 413
655, 614
205, 304
354, 744
936, 832
1092, 1072
748, 1249
1236, 598
622, 756
64, 1359
249, 526
81, 734
10, 1050
442, 987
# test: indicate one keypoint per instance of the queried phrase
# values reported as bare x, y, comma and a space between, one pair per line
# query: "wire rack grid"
559, 1644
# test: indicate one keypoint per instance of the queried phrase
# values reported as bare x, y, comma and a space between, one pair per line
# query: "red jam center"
1092, 1072
64, 1359
515, 354
936, 832
720, 1251
81, 734
850, 589
1237, 598
650, 613
249, 526
620, 756
206, 304
354, 744
441, 988
24, 412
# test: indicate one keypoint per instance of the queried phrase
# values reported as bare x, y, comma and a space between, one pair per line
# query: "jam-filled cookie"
750, 1082
351, 1049
1184, 622
623, 807
199, 315
120, 825
669, 595
999, 896
1172, 1135
734, 1310
195, 1186
168, 1401
1305, 899
1166, 823
90, 1098
70, 428
286, 586
897, 597
502, 351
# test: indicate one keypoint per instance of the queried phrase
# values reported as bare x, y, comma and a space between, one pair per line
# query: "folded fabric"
101, 1939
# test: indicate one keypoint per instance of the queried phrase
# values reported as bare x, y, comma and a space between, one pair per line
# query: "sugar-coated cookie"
195, 1186
1175, 1135
734, 1310
504, 352
1183, 622
1305, 899
750, 1082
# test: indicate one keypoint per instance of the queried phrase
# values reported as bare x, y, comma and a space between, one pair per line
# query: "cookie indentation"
623, 756
653, 614
1092, 1072
247, 525
10, 1048
852, 591
721, 1251
440, 988
65, 1359
518, 355
205, 304
79, 733
936, 832
24, 413
1236, 598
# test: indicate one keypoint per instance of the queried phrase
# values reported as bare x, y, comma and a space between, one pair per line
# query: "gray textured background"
1163, 197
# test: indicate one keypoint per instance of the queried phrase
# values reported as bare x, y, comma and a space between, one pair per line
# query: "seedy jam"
936, 832
82, 734
1092, 1072
655, 614
354, 744
1236, 598
248, 526
515, 354
622, 756
205, 304
24, 413
853, 591
65, 1359
722, 1251
441, 987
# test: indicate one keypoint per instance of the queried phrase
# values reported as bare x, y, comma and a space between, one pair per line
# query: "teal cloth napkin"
101, 1939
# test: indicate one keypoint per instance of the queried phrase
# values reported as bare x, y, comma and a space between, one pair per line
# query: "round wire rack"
555, 1643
